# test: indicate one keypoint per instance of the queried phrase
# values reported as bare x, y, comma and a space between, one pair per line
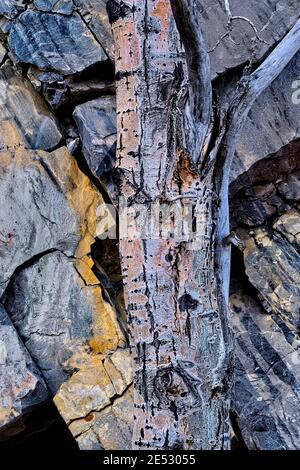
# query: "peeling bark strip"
176, 296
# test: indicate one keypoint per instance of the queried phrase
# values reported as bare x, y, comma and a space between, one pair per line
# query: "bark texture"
177, 297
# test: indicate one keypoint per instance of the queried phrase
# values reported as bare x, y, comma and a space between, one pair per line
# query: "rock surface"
272, 123
65, 7
95, 15
232, 44
59, 316
96, 122
54, 206
25, 120
11, 8
70, 47
96, 402
21, 385
266, 397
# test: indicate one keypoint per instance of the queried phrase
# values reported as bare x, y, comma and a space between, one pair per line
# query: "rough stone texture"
288, 225
256, 204
2, 53
11, 8
59, 91
96, 402
65, 7
25, 120
70, 47
289, 189
272, 123
271, 18
96, 122
21, 385
59, 316
54, 206
273, 268
266, 397
95, 15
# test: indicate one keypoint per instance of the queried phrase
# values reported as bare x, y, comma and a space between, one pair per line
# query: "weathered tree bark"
172, 148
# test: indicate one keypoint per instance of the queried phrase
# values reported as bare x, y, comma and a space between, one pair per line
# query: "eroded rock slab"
21, 384
65, 7
266, 395
46, 203
233, 44
54, 42
11, 8
288, 225
273, 268
273, 122
61, 316
25, 120
97, 402
95, 15
96, 122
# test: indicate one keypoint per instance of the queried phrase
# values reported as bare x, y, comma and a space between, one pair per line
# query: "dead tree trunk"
173, 151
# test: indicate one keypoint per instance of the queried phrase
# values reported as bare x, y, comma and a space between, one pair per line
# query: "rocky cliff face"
62, 322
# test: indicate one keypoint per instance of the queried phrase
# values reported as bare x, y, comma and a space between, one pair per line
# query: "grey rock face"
24, 117
273, 268
34, 213
266, 396
21, 385
233, 44
65, 7
47, 203
96, 122
11, 8
59, 317
289, 189
95, 15
54, 42
2, 53
272, 123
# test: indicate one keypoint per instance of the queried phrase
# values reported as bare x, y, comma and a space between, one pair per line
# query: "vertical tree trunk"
175, 324
176, 292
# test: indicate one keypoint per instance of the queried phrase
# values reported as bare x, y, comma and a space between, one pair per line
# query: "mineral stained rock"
96, 402
96, 122
54, 42
47, 203
288, 225
273, 268
266, 396
25, 120
59, 316
21, 385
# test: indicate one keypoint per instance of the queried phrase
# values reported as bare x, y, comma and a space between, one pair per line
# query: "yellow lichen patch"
88, 389
10, 136
107, 335
84, 266
92, 388
82, 196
